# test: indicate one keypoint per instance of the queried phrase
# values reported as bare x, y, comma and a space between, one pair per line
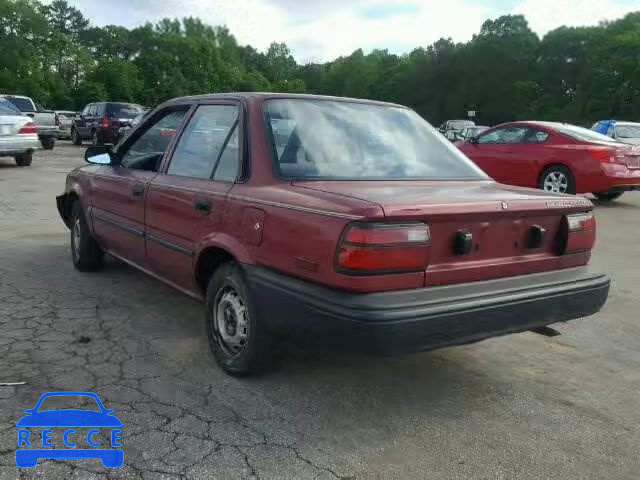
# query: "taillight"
368, 248
28, 128
606, 154
577, 233
105, 122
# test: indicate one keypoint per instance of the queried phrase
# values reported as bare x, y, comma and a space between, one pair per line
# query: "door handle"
137, 191
202, 205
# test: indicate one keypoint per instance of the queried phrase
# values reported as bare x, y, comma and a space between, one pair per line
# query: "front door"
186, 200
495, 151
119, 192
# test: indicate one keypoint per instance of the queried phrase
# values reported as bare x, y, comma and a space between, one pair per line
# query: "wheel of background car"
75, 138
48, 143
85, 251
24, 160
607, 196
557, 179
240, 345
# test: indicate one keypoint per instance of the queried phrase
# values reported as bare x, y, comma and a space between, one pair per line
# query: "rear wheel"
24, 159
48, 143
85, 251
557, 179
75, 137
240, 343
607, 196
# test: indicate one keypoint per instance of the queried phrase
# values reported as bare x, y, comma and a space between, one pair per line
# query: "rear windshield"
23, 104
314, 139
8, 108
579, 133
128, 110
628, 131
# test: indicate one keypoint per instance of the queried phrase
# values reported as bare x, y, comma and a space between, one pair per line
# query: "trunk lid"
500, 219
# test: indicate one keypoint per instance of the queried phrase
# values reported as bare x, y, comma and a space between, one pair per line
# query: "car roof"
635, 124
272, 95
7, 95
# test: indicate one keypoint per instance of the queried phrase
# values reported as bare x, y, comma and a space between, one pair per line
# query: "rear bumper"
619, 178
16, 144
48, 132
423, 319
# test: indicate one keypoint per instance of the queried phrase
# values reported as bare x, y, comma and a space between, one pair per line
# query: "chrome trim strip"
259, 201
170, 245
116, 224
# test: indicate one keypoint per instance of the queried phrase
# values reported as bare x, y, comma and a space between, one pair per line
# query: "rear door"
119, 192
186, 200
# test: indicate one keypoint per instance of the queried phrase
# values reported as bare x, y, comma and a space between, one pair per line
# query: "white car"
18, 134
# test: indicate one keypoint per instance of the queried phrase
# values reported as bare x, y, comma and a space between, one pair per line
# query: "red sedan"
339, 222
556, 157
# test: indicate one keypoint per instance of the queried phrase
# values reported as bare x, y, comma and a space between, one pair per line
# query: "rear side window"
209, 139
313, 139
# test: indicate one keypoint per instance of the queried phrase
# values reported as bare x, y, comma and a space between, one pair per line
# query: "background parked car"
64, 120
45, 120
624, 132
18, 134
556, 157
452, 128
101, 121
470, 132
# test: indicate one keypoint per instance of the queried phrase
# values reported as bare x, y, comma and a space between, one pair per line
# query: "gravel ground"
523, 406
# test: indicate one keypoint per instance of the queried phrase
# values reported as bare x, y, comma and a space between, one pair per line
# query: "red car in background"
556, 157
329, 221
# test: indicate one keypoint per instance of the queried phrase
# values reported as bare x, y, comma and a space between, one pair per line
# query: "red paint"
296, 227
595, 167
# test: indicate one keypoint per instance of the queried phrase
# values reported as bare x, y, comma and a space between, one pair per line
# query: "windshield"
346, 140
8, 108
23, 104
65, 402
628, 131
579, 133
459, 124
128, 110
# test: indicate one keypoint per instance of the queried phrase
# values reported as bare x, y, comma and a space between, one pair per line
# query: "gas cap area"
253, 225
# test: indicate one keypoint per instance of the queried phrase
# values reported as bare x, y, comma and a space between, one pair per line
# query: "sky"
321, 30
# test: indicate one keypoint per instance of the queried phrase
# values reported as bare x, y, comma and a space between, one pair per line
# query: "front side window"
209, 138
346, 140
508, 135
147, 149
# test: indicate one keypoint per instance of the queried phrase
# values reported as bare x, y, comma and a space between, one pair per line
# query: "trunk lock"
463, 242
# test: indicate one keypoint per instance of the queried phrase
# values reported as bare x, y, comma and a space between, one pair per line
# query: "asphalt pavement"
522, 406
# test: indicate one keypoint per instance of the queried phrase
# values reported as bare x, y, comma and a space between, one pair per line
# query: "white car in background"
626, 132
64, 120
18, 134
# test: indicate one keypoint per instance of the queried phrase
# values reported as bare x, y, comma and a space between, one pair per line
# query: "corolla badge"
58, 437
504, 205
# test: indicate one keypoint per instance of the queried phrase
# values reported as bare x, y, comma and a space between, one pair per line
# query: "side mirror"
99, 155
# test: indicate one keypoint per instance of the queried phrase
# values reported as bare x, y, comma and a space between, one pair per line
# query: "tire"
607, 196
24, 159
557, 179
48, 143
86, 254
75, 137
239, 347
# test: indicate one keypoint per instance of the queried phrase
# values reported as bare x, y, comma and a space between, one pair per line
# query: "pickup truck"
45, 120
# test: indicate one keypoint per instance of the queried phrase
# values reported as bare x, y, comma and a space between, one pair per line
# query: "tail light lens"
369, 248
105, 122
577, 233
607, 154
28, 128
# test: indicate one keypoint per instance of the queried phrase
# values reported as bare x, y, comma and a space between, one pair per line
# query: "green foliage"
505, 72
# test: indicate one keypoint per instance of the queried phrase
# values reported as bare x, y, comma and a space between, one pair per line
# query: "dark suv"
100, 122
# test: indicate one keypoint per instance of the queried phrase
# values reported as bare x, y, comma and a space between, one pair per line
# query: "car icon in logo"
59, 426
